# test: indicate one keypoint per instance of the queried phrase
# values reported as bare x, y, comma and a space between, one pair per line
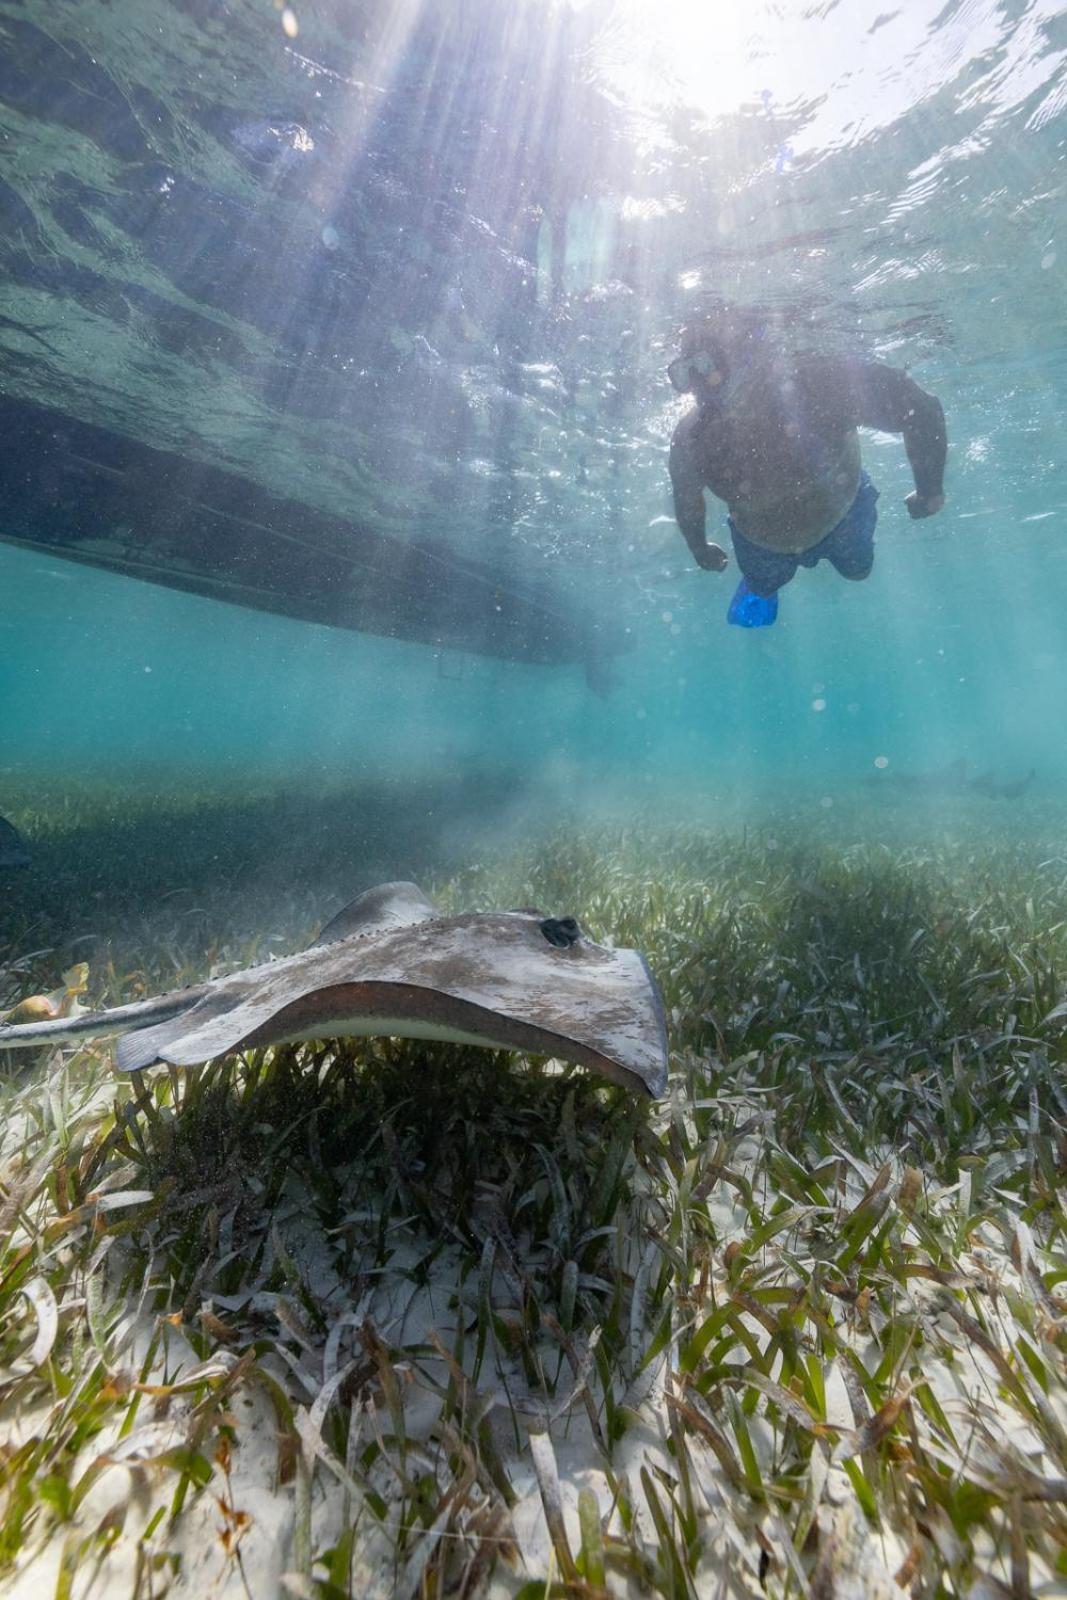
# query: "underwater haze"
418, 269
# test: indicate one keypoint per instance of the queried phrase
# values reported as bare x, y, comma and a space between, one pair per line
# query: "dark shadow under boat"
92, 495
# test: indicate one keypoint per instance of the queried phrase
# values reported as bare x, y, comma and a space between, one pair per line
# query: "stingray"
391, 964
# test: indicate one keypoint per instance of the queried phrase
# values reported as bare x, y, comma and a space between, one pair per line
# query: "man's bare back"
775, 438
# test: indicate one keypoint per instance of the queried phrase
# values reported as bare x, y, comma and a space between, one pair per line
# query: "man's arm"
887, 399
689, 508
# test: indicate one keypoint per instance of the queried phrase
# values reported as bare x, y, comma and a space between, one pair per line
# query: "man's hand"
712, 558
922, 505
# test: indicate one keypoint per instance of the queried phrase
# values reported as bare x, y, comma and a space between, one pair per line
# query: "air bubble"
881, 761
818, 705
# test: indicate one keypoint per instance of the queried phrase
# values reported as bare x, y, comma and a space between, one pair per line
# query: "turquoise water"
422, 266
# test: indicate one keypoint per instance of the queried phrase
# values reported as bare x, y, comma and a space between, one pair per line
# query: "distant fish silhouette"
954, 779
982, 783
986, 784
389, 963
13, 851
950, 779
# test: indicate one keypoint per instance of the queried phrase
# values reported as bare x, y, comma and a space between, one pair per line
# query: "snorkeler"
774, 435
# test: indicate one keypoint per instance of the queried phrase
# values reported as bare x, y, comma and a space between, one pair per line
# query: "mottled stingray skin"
389, 963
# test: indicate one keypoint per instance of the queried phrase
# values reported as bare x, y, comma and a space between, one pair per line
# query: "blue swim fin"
751, 610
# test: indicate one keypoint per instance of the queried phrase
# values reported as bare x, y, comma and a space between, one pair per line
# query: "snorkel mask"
684, 371
719, 351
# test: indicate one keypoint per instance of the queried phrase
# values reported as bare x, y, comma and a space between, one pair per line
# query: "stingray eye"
561, 931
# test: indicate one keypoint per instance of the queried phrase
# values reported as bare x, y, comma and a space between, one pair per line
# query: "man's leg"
850, 546
765, 571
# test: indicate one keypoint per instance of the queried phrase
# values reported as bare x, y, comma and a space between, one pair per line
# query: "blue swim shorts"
849, 547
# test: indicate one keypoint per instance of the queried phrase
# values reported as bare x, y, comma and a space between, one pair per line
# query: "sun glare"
657, 55
665, 52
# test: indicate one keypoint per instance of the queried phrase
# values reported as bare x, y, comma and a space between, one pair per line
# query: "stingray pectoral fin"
137, 1050
379, 910
656, 1042
631, 1050
146, 1047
